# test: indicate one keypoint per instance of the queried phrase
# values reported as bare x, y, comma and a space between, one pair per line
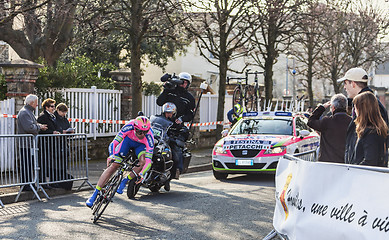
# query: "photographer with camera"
176, 91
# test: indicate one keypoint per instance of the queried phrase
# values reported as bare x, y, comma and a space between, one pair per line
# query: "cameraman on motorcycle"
176, 92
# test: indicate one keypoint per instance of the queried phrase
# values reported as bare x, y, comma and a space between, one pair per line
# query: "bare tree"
367, 25
38, 28
222, 29
309, 42
276, 22
353, 39
332, 59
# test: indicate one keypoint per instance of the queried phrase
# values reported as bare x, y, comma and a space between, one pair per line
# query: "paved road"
197, 207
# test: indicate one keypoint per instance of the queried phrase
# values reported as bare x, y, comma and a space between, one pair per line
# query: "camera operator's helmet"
186, 77
142, 123
169, 108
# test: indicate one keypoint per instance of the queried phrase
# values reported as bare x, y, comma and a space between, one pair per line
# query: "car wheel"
219, 175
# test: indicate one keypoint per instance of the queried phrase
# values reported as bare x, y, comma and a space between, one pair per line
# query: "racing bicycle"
240, 92
253, 96
108, 192
247, 95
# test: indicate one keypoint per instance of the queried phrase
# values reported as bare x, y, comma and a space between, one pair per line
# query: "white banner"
331, 201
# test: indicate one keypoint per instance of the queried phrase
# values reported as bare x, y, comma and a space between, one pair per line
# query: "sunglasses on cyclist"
141, 132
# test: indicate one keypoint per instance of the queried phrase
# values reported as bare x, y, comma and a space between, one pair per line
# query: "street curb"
27, 196
200, 168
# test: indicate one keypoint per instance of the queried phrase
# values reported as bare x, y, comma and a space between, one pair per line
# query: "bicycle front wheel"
107, 194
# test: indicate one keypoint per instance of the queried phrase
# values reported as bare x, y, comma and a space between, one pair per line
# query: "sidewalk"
201, 161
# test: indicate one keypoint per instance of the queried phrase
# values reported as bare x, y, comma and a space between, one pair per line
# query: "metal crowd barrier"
310, 156
306, 156
17, 162
44, 160
62, 159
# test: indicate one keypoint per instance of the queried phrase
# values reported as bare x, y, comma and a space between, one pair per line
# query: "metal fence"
45, 160
93, 103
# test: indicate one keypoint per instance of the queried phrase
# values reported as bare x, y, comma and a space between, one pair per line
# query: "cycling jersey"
126, 139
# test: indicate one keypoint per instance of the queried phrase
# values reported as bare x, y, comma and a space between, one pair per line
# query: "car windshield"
264, 126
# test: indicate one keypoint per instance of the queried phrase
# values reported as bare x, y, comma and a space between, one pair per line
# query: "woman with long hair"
371, 130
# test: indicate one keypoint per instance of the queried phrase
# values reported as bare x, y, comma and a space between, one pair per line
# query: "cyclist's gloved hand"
139, 178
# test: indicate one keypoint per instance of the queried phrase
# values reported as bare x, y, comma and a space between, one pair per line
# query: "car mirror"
304, 133
224, 133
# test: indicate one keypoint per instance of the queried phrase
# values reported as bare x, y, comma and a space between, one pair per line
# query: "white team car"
256, 142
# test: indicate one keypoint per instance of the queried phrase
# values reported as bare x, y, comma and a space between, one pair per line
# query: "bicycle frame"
108, 192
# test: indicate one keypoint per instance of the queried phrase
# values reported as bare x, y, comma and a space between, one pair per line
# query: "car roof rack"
268, 113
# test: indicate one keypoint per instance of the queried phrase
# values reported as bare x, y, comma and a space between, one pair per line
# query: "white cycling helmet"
169, 108
185, 76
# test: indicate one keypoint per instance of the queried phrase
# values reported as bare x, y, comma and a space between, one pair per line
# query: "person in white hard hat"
355, 82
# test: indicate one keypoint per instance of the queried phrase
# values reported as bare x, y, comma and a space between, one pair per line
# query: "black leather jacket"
183, 100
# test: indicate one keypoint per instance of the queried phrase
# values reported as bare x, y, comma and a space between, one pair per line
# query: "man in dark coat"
27, 124
332, 129
355, 82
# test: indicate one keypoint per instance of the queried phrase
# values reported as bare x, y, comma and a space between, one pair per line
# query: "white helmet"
185, 76
169, 107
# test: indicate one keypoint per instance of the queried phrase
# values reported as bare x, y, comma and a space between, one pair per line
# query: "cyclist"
137, 135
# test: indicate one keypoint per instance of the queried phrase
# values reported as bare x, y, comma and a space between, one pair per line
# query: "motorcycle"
159, 174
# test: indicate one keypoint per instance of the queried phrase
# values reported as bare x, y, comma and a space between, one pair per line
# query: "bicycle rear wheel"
104, 199
249, 98
236, 98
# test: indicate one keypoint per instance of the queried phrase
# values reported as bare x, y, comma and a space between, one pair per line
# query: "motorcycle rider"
185, 104
136, 135
175, 131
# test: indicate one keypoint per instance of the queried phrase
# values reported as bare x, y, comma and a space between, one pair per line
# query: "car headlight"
274, 150
219, 149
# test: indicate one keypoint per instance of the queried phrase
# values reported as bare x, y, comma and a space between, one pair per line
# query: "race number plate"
157, 132
244, 162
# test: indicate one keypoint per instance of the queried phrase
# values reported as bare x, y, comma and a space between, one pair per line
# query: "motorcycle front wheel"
132, 188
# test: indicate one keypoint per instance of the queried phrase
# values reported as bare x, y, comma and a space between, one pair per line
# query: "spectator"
371, 130
332, 129
47, 117
48, 145
27, 124
63, 156
62, 122
355, 82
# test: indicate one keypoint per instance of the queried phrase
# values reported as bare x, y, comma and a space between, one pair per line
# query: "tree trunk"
269, 78
310, 74
334, 78
223, 65
135, 59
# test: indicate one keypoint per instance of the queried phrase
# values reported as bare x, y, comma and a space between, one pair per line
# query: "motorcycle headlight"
274, 150
219, 149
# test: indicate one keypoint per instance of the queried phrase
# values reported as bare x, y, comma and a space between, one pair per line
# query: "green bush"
151, 88
80, 72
